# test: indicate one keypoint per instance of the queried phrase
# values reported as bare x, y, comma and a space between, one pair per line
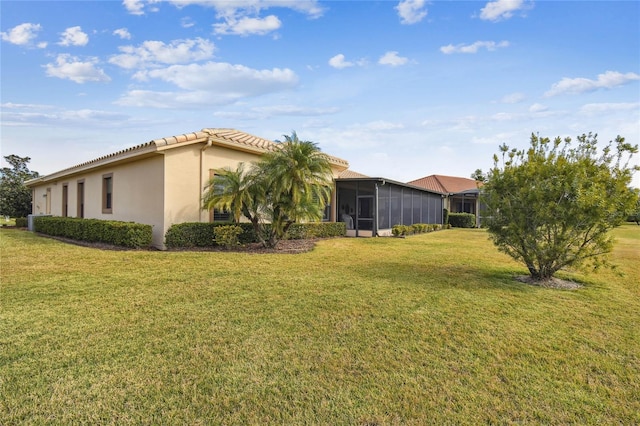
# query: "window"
48, 201
65, 200
221, 216
107, 193
80, 198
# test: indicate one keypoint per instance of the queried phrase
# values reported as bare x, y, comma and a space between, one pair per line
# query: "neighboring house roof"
447, 184
231, 138
350, 174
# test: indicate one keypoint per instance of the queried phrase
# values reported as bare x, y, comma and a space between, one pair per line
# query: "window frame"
80, 198
65, 200
107, 193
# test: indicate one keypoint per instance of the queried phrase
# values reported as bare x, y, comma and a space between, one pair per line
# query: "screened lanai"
372, 206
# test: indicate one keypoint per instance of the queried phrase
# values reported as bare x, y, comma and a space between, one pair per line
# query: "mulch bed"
550, 283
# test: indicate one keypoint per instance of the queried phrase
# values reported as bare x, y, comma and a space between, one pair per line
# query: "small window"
80, 212
65, 200
107, 193
48, 201
221, 215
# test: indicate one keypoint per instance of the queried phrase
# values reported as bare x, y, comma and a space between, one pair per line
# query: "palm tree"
299, 183
290, 184
228, 190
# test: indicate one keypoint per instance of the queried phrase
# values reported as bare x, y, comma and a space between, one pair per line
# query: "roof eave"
119, 157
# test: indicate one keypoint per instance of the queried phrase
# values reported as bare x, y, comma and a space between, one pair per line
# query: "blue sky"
400, 89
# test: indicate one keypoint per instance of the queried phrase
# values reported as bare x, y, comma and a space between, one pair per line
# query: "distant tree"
635, 215
15, 197
289, 185
479, 176
553, 205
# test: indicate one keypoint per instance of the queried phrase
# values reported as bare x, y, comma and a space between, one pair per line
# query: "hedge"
123, 234
196, 234
416, 228
462, 220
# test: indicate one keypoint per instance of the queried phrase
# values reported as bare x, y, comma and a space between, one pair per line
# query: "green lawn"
431, 329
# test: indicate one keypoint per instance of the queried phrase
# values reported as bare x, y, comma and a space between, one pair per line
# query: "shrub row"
124, 234
462, 220
301, 231
416, 228
196, 234
21, 222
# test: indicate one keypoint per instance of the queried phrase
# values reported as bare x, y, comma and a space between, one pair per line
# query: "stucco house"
158, 183
462, 195
161, 183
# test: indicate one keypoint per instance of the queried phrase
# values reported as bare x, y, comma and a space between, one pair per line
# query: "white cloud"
608, 80
246, 26
339, 62
136, 7
187, 22
502, 9
236, 8
536, 108
503, 116
240, 17
411, 11
382, 125
513, 98
74, 36
72, 68
123, 33
154, 53
392, 59
224, 77
38, 115
23, 34
473, 48
213, 83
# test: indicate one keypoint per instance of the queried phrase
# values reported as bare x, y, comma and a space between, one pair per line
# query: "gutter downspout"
202, 150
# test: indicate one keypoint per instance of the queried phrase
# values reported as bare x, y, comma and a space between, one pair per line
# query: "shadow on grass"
443, 277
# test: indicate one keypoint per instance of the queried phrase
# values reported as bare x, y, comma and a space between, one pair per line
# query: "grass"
432, 329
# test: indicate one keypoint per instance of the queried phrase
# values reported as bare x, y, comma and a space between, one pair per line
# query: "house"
161, 183
158, 183
461, 194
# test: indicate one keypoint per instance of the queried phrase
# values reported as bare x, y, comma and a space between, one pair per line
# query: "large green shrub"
123, 234
462, 220
198, 234
552, 205
227, 236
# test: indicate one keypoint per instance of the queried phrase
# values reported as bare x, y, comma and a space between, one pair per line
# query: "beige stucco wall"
138, 194
187, 171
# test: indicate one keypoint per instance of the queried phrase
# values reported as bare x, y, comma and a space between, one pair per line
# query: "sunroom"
372, 206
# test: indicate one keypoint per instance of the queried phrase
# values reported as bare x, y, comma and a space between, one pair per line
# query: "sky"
400, 89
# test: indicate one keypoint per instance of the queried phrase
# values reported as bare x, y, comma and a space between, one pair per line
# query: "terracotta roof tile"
445, 184
350, 174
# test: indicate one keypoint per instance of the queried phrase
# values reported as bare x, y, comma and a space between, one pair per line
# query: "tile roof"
232, 138
350, 174
445, 184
